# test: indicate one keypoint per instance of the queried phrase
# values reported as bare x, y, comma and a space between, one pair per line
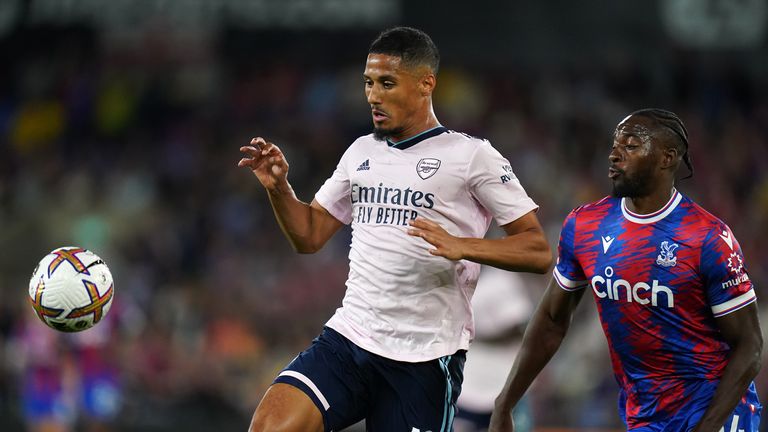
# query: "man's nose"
374, 96
614, 156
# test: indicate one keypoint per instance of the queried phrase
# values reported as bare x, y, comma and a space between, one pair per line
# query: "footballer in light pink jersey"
419, 198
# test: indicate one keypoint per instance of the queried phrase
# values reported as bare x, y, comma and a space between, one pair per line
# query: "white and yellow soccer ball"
71, 289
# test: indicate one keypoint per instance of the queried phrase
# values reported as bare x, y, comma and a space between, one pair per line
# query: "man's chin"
629, 190
380, 134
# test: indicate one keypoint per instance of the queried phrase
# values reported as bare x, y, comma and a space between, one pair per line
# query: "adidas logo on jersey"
365, 166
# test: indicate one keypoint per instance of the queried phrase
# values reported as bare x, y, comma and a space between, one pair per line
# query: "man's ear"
670, 158
427, 84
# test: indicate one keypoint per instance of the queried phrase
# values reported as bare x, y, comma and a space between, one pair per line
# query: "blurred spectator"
502, 306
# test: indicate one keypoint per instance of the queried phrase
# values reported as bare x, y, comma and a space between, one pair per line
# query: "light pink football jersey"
402, 302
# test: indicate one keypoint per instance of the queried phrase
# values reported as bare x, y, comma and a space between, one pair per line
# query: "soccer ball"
71, 289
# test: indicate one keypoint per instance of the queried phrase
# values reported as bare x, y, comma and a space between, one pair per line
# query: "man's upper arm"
324, 225
741, 326
559, 303
526, 222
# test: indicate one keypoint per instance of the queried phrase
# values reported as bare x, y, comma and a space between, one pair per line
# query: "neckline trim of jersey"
412, 141
656, 216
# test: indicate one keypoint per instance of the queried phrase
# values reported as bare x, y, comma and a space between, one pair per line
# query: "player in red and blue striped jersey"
672, 291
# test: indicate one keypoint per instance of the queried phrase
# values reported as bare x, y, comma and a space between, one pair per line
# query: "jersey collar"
412, 141
656, 216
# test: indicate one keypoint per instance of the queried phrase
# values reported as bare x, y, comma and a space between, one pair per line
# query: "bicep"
741, 326
526, 222
558, 304
324, 225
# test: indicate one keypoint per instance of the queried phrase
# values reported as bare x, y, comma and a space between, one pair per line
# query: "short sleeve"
724, 272
568, 272
495, 186
335, 194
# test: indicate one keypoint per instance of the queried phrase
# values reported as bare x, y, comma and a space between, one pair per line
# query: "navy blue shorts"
349, 384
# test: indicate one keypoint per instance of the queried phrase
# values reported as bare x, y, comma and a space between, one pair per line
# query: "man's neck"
420, 126
650, 203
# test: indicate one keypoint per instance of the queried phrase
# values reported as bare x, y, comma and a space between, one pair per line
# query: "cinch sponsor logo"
387, 195
622, 290
733, 282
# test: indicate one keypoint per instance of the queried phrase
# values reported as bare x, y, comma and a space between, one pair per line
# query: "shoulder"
698, 217
596, 208
361, 146
701, 213
365, 140
465, 137
465, 140
475, 151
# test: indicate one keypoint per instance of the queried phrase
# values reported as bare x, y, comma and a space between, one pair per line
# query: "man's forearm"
294, 217
527, 251
743, 366
542, 339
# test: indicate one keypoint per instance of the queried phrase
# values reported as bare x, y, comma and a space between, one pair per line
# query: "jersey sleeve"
495, 186
568, 272
724, 272
335, 194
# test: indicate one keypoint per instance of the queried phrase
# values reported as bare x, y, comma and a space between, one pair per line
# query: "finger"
420, 233
270, 148
244, 162
430, 223
422, 223
258, 142
250, 150
417, 223
431, 239
436, 252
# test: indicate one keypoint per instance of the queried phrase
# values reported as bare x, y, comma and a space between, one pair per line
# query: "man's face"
395, 96
634, 158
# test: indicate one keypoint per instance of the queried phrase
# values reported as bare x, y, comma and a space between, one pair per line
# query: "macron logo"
726, 236
607, 240
365, 166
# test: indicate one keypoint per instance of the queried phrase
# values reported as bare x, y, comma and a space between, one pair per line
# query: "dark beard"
634, 187
380, 134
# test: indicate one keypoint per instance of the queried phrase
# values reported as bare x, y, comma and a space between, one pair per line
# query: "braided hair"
672, 123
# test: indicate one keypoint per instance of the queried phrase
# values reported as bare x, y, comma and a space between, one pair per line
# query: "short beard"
380, 134
636, 187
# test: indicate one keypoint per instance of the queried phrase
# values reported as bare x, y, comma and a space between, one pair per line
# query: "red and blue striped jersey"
660, 281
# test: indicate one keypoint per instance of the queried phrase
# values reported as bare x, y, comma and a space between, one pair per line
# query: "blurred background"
120, 124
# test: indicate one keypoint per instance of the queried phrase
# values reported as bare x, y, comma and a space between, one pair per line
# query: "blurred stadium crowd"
133, 154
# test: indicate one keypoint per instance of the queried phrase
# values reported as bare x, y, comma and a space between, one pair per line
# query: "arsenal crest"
427, 167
